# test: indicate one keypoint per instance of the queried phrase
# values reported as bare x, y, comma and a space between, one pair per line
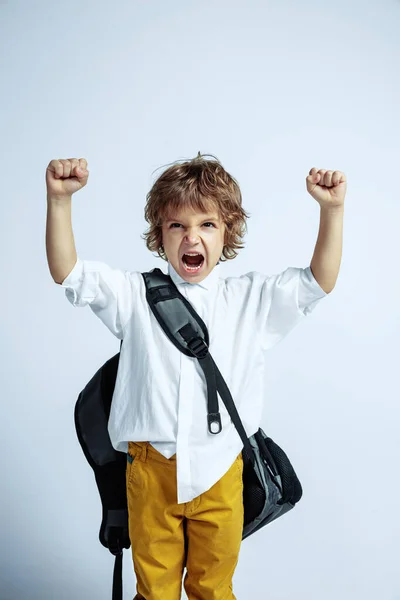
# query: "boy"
185, 487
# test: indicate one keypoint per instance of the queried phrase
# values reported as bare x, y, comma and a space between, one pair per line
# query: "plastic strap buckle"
114, 541
198, 347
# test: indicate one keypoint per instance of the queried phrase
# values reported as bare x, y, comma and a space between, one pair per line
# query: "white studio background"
272, 89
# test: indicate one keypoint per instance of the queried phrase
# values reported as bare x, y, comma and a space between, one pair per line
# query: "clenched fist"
64, 177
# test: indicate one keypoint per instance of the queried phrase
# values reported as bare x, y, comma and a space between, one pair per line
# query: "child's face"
189, 231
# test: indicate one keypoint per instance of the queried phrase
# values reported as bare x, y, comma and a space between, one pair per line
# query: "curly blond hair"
201, 185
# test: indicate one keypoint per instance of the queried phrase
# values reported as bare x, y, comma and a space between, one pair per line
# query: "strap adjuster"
198, 347
114, 540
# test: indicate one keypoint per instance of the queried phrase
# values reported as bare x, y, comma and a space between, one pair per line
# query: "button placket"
185, 404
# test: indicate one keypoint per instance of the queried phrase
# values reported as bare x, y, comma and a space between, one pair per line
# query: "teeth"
190, 268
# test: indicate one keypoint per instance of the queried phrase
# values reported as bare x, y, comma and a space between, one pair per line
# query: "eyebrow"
211, 218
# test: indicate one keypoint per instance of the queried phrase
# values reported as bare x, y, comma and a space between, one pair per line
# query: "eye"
179, 225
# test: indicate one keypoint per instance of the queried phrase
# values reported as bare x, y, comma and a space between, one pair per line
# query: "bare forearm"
60, 243
327, 255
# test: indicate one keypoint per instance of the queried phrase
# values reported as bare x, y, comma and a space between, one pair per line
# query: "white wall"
272, 89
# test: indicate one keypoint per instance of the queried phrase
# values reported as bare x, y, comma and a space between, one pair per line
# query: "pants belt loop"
143, 455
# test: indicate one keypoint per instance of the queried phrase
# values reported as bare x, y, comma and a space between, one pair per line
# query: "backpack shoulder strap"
177, 318
188, 332
174, 313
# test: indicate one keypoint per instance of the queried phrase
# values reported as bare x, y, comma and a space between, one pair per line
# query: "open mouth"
193, 262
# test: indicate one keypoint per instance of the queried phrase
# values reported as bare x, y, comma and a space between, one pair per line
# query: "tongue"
193, 260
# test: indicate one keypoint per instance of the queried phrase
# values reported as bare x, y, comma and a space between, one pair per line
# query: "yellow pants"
203, 535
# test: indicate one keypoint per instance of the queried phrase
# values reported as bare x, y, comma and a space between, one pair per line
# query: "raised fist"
64, 177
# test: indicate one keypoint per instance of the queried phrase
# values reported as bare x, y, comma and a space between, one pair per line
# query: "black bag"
270, 485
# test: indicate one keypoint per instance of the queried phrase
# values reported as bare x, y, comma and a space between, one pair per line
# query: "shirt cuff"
75, 275
309, 291
81, 285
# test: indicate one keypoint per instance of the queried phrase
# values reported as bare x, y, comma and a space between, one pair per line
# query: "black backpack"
270, 485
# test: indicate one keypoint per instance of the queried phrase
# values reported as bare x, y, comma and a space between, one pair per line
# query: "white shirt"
160, 394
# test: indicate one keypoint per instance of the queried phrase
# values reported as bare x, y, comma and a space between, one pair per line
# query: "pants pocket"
130, 468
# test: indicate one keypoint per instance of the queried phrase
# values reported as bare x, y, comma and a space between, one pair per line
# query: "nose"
192, 238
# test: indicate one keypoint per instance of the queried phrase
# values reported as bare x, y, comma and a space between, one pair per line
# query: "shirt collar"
208, 283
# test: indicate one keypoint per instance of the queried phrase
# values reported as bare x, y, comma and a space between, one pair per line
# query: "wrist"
332, 210
58, 200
